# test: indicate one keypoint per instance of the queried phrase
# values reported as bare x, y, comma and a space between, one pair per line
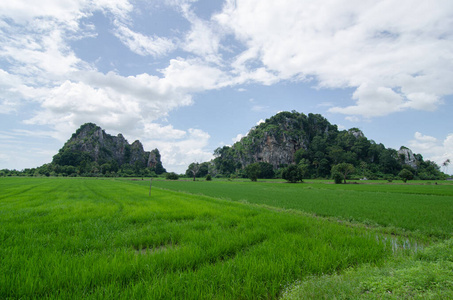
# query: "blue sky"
188, 76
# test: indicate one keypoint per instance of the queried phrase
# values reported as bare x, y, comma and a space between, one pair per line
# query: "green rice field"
77, 238
423, 208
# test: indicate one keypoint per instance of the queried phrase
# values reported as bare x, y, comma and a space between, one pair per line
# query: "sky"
188, 76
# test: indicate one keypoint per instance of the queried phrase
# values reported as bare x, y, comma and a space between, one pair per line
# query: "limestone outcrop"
407, 157
90, 143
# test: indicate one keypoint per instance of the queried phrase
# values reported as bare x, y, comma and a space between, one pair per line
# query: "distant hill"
295, 138
90, 150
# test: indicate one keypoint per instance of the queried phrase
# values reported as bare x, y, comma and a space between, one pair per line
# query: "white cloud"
432, 148
193, 75
397, 56
425, 138
156, 131
180, 150
372, 102
201, 40
237, 138
114, 102
42, 68
38, 57
142, 44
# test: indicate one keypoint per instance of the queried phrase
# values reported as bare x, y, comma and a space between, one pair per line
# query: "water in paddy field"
400, 244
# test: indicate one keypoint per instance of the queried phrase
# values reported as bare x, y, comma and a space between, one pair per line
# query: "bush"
337, 178
406, 175
252, 171
389, 177
343, 169
208, 177
292, 174
171, 176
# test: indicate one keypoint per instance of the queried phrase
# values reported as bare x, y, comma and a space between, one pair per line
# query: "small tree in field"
171, 176
252, 171
405, 175
343, 169
194, 168
292, 174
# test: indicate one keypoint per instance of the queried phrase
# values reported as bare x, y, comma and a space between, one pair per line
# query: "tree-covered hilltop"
315, 145
92, 152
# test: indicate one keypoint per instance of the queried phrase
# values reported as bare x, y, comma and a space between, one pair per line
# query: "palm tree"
445, 165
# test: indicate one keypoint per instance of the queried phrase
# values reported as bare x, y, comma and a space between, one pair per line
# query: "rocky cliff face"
277, 140
91, 143
316, 146
407, 157
271, 149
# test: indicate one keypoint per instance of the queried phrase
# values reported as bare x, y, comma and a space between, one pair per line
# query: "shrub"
292, 174
253, 170
343, 169
337, 178
208, 177
406, 175
171, 176
389, 177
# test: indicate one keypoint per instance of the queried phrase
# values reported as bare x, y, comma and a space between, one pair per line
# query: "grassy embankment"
88, 238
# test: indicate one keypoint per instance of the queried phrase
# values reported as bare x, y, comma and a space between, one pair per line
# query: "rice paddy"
109, 239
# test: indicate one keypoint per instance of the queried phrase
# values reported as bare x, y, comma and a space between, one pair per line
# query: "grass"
427, 275
95, 239
421, 209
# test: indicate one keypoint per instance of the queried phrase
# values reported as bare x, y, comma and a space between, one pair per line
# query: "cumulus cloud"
372, 102
180, 150
194, 75
116, 102
433, 149
396, 56
43, 69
